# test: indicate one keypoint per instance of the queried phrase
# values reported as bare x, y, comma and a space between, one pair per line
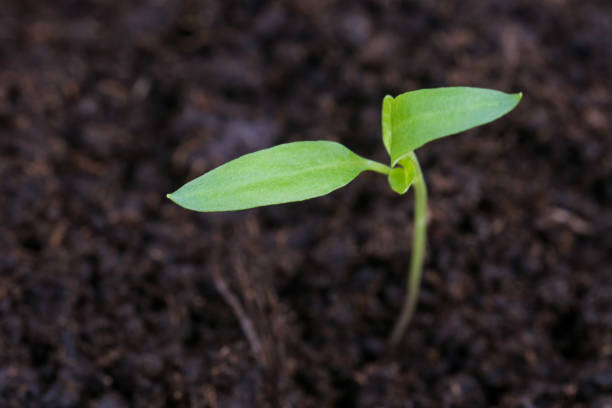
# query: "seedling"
303, 170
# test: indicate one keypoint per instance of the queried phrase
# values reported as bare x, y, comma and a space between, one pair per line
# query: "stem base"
419, 235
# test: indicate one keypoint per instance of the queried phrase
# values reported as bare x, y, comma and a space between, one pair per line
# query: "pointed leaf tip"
281, 174
418, 117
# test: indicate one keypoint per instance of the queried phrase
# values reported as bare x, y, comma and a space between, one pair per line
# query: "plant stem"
419, 234
378, 167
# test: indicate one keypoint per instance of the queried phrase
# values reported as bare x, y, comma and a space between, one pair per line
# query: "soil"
112, 296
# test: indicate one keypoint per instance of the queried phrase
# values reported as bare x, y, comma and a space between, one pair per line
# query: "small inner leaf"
418, 117
400, 178
281, 174
387, 108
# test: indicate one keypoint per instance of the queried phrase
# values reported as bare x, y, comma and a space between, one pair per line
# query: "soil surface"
112, 296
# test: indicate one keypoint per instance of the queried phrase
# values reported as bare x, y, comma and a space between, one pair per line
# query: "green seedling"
303, 170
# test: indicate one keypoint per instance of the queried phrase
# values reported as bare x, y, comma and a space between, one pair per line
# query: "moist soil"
112, 296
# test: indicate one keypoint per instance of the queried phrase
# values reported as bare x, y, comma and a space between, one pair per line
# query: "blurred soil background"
111, 296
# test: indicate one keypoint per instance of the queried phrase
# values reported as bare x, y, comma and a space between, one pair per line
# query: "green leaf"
284, 173
400, 178
386, 121
418, 117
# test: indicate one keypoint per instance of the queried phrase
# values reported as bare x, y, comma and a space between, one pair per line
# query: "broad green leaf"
418, 117
386, 121
400, 178
284, 173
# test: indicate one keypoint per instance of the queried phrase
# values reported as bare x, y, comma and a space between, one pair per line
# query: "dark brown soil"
108, 296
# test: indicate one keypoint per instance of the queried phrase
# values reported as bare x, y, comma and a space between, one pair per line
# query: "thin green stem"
419, 234
378, 167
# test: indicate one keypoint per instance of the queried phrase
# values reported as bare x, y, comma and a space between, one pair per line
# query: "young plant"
302, 170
